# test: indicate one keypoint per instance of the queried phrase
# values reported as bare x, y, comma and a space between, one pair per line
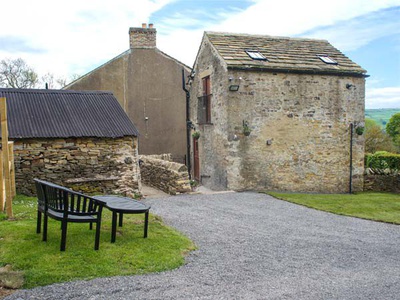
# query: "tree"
17, 74
393, 128
376, 139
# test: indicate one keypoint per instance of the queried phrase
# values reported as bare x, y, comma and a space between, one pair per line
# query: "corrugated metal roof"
282, 53
65, 113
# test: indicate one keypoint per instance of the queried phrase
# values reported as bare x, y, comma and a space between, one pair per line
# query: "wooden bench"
65, 205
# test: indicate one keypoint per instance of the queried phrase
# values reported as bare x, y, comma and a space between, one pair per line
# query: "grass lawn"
383, 207
43, 263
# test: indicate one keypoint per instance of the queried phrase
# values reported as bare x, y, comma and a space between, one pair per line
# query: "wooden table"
123, 205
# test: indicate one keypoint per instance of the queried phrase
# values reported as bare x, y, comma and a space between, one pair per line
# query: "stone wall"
300, 129
382, 183
89, 165
168, 176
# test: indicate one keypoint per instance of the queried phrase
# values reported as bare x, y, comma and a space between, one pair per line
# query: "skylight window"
328, 60
256, 55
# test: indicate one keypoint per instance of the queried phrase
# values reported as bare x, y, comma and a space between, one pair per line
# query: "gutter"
188, 124
297, 71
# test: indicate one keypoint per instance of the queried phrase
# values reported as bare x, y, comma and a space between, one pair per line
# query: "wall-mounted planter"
246, 128
196, 135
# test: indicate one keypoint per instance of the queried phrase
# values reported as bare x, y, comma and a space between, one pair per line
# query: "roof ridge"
264, 36
52, 91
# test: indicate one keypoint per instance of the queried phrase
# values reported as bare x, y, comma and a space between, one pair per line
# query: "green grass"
383, 207
381, 116
43, 263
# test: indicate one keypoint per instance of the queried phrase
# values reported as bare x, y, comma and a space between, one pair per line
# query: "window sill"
209, 124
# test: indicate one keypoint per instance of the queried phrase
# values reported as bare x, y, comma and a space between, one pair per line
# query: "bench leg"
91, 225
146, 223
39, 221
97, 239
113, 227
63, 235
45, 219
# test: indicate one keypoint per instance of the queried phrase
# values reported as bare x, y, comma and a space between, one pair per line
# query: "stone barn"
79, 139
148, 84
276, 113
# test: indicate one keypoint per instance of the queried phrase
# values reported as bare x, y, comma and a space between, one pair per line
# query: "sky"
73, 39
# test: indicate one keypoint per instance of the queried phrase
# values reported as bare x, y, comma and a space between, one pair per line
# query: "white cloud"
76, 36
357, 32
388, 97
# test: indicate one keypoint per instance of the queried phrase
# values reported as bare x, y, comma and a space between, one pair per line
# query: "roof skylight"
328, 60
256, 55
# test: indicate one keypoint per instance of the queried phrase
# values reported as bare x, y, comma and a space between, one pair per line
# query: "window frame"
256, 55
327, 59
205, 100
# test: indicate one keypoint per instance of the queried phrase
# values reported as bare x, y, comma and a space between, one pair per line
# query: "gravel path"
252, 246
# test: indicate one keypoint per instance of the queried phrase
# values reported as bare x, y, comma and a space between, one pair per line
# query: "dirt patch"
5, 292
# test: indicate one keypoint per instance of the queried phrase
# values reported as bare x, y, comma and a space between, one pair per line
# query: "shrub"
382, 160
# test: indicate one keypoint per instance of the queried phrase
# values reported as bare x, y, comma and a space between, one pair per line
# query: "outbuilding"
80, 139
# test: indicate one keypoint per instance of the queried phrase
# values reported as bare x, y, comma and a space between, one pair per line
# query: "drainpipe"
351, 159
188, 124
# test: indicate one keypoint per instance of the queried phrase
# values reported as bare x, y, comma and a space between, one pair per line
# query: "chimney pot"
151, 25
144, 25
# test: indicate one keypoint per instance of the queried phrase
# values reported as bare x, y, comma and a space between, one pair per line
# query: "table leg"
146, 223
121, 216
113, 227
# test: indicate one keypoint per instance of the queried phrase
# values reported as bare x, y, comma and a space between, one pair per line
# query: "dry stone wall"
89, 165
168, 176
382, 183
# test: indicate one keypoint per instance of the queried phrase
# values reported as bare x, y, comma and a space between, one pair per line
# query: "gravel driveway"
252, 246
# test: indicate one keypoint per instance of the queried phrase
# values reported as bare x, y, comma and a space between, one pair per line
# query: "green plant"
193, 183
393, 128
360, 130
196, 135
246, 128
382, 160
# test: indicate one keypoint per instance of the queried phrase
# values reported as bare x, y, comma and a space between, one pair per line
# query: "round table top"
123, 204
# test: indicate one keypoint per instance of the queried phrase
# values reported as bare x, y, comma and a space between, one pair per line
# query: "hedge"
382, 160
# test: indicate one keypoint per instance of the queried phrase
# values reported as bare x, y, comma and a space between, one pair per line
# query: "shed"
80, 139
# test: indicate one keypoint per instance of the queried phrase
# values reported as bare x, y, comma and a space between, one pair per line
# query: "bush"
382, 160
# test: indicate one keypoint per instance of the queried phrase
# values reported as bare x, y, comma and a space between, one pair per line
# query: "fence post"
5, 156
12, 169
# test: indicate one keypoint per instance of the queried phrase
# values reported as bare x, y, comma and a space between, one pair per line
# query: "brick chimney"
142, 37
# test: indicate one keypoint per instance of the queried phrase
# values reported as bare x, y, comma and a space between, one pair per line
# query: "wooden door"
196, 161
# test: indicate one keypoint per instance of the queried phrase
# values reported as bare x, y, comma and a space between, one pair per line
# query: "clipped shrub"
383, 161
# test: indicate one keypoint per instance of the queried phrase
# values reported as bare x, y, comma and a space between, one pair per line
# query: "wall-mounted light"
234, 87
234, 84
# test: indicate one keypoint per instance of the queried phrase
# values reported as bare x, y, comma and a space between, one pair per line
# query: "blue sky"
75, 38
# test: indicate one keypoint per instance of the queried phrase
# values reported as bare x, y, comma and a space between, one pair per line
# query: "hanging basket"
359, 130
196, 135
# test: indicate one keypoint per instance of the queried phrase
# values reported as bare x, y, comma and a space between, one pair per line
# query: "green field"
382, 115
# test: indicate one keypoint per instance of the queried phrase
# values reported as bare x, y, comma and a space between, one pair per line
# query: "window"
328, 60
204, 105
256, 55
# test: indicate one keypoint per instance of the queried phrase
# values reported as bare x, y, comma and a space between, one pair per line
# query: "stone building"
79, 139
276, 113
148, 85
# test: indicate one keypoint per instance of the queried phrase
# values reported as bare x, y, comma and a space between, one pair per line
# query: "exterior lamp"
234, 87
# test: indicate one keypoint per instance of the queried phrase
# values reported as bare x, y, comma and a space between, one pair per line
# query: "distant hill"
382, 115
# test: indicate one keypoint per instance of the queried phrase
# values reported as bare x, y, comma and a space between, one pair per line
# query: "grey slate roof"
282, 53
61, 114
